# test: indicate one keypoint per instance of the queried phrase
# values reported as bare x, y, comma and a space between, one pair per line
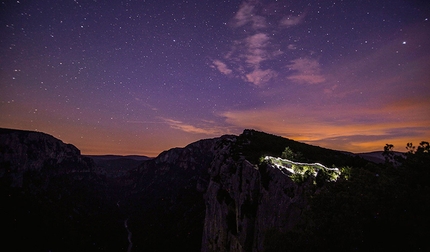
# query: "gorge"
217, 194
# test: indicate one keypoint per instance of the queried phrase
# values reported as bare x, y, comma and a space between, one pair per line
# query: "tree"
388, 154
410, 148
289, 154
424, 147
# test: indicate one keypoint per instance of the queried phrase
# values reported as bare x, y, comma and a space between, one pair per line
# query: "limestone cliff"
26, 152
244, 201
227, 201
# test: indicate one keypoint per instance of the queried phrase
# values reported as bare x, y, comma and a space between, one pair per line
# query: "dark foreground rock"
51, 198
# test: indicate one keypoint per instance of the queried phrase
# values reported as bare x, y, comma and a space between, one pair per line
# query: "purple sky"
140, 77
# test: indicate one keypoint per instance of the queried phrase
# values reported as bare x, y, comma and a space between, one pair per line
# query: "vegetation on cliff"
375, 208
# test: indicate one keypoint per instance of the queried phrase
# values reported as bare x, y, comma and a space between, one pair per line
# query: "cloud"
256, 49
222, 67
246, 14
247, 55
289, 21
367, 142
256, 56
259, 22
260, 77
306, 78
209, 129
292, 47
306, 71
330, 90
256, 41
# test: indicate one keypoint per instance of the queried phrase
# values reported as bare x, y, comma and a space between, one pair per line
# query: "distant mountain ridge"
113, 156
116, 165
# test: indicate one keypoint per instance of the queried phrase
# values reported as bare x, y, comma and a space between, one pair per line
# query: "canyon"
217, 194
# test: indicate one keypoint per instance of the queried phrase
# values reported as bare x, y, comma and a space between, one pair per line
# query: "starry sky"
139, 77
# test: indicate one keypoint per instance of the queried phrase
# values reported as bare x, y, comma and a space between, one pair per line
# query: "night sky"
140, 77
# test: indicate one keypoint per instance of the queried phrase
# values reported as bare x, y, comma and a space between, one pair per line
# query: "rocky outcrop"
244, 201
26, 152
225, 200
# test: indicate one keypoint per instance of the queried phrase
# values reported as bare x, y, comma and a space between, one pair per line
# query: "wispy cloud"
292, 47
259, 77
254, 57
222, 67
208, 129
247, 14
257, 49
305, 71
291, 21
246, 57
244, 14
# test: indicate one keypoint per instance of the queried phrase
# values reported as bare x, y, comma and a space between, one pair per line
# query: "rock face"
227, 203
26, 152
244, 201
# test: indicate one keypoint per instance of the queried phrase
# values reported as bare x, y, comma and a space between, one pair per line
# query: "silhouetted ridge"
255, 144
